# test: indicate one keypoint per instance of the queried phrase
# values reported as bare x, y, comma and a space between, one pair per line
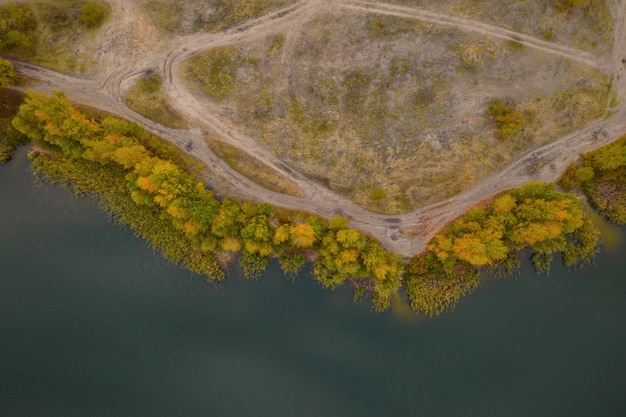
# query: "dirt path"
124, 55
473, 26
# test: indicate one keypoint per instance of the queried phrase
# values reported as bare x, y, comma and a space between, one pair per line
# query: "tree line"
144, 181
188, 212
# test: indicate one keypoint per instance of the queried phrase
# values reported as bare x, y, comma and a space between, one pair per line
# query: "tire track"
473, 26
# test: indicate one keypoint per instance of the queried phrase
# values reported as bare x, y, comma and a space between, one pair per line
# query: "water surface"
93, 323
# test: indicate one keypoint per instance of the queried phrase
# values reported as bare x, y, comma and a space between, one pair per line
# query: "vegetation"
508, 120
601, 175
51, 33
373, 115
166, 205
147, 185
582, 24
147, 99
17, 30
213, 15
253, 169
7, 73
10, 138
93, 14
231, 12
215, 70
534, 216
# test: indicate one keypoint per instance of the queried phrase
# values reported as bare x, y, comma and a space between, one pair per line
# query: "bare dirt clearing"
142, 50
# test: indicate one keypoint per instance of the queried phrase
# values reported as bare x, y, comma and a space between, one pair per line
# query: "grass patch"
253, 169
474, 55
275, 43
215, 70
514, 45
51, 34
147, 99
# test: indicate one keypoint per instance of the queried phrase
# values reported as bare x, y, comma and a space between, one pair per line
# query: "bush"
93, 14
508, 120
378, 194
7, 73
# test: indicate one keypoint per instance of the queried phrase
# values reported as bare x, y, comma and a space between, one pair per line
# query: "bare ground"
130, 45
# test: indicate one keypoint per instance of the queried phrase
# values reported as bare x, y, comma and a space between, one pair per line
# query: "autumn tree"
7, 73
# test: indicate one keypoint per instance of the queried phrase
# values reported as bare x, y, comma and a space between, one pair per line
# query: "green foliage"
147, 99
291, 263
150, 84
10, 138
378, 194
253, 265
51, 33
180, 216
94, 14
514, 45
17, 27
566, 5
433, 291
601, 175
7, 73
216, 71
508, 120
534, 216
541, 262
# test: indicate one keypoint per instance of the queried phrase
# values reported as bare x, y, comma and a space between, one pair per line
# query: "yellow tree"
303, 235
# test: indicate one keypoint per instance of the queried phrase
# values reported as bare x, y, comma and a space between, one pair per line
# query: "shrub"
7, 73
508, 120
378, 194
93, 14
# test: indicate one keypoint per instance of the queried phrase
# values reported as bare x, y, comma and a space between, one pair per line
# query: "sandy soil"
129, 45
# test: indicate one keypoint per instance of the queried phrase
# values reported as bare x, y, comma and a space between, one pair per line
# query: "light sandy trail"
105, 92
472, 26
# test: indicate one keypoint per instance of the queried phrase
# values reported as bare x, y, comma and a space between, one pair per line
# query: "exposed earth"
129, 45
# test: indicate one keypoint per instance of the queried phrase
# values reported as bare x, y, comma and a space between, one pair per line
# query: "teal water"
92, 323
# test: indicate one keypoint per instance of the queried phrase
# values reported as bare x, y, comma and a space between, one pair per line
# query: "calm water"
92, 323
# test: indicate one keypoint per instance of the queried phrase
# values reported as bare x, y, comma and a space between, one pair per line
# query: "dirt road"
125, 53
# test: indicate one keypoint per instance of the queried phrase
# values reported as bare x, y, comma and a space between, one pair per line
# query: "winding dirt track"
126, 49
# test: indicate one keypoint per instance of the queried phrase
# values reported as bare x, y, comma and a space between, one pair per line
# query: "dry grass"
587, 26
147, 99
253, 169
362, 109
61, 36
190, 16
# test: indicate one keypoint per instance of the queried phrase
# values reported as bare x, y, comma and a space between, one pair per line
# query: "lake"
93, 323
